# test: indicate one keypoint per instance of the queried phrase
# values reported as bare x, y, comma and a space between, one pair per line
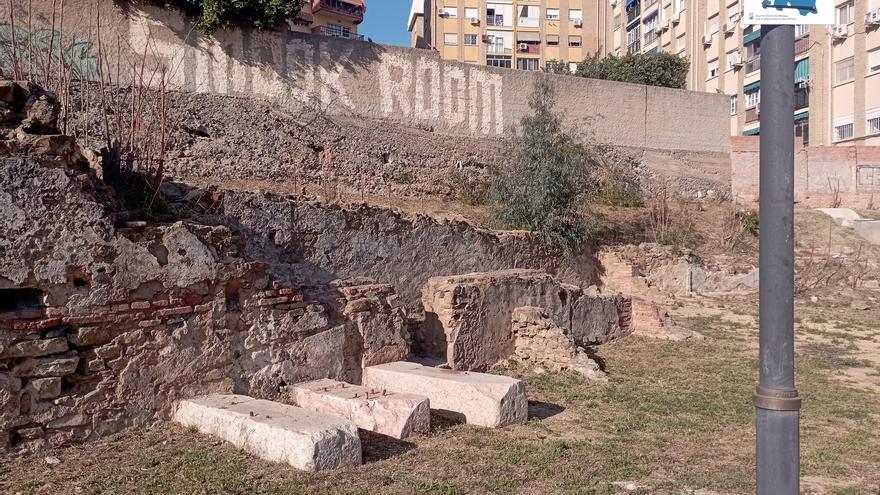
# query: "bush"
470, 187
662, 69
211, 15
543, 183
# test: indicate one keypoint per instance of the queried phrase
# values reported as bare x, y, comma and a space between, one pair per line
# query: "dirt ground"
674, 418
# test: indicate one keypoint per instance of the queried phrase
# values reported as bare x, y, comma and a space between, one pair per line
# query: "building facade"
337, 18
837, 67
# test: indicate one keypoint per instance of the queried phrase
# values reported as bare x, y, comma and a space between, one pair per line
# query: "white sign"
788, 12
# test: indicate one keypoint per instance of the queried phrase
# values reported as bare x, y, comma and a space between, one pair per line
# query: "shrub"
470, 187
662, 69
211, 15
543, 183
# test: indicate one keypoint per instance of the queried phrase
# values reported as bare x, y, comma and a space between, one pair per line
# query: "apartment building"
338, 18
837, 67
521, 34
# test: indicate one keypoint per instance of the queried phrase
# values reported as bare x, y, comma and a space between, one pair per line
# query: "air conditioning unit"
736, 60
707, 39
578, 23
838, 32
873, 18
475, 21
806, 84
523, 47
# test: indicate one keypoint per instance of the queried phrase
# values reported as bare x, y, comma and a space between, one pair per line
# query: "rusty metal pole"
777, 402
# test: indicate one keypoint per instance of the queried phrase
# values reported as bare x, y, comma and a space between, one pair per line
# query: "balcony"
495, 20
752, 114
650, 36
634, 48
337, 32
352, 9
753, 64
802, 44
498, 49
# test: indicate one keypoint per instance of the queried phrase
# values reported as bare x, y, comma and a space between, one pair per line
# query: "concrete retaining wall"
346, 77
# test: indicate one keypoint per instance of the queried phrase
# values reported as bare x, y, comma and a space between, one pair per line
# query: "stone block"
478, 398
87, 336
381, 411
275, 432
44, 388
35, 348
48, 366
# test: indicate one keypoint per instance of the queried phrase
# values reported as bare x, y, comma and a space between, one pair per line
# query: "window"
450, 39
575, 15
470, 39
552, 40
753, 56
680, 5
633, 43
470, 13
498, 44
873, 126
574, 41
844, 71
449, 12
753, 98
527, 64
498, 61
801, 30
553, 14
733, 99
529, 16
732, 59
843, 128
874, 61
679, 44
633, 11
845, 13
648, 3
712, 25
617, 21
802, 130
651, 23
712, 73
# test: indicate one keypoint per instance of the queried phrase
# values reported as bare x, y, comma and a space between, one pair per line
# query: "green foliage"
405, 177
662, 69
470, 186
545, 180
217, 14
750, 220
556, 67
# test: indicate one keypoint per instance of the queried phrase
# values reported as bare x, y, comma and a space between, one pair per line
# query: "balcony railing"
528, 21
340, 7
802, 44
498, 49
650, 36
338, 32
753, 64
634, 48
495, 20
752, 114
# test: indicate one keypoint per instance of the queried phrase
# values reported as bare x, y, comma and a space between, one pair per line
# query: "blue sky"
385, 21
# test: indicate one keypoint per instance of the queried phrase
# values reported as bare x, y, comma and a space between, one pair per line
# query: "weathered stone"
86, 336
478, 398
28, 434
35, 348
390, 413
44, 388
275, 432
68, 421
468, 317
41, 115
47, 366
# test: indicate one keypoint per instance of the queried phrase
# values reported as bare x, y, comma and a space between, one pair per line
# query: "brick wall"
820, 172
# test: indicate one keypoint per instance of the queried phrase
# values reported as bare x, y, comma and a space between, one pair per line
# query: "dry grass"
674, 417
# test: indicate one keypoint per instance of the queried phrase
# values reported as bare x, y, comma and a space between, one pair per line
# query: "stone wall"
343, 77
468, 317
822, 174
540, 342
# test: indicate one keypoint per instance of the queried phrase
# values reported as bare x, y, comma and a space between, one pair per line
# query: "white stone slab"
478, 398
273, 431
395, 414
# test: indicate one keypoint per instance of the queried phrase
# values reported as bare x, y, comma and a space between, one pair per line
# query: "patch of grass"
403, 178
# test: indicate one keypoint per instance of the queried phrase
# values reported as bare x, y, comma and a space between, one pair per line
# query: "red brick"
272, 300
56, 311
160, 303
192, 299
30, 314
140, 305
149, 323
85, 320
296, 298
37, 325
120, 307
267, 293
286, 292
203, 308
174, 311
175, 301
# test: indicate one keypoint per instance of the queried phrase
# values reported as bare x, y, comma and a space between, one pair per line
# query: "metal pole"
776, 400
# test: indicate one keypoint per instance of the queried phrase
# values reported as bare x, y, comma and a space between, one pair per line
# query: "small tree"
211, 15
545, 180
